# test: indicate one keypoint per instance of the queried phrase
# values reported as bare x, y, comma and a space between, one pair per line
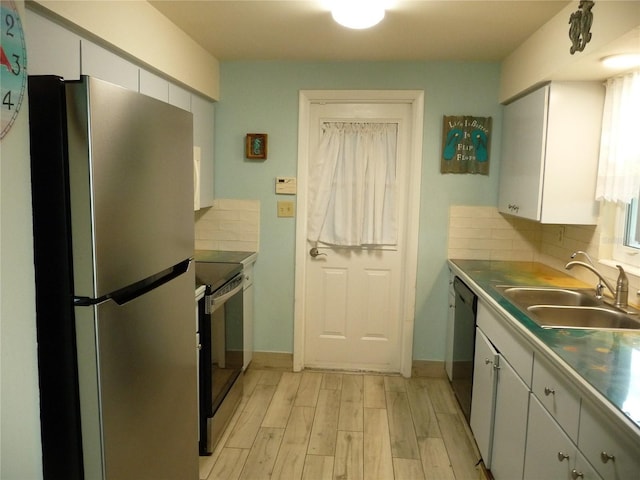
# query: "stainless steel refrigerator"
112, 190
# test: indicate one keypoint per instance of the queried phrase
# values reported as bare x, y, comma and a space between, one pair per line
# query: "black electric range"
216, 274
215, 267
221, 336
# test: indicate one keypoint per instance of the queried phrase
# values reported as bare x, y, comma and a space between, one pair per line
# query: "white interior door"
355, 305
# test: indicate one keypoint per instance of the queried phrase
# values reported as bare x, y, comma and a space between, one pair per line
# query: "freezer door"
140, 418
131, 182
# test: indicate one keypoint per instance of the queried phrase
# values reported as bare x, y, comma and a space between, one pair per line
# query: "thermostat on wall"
286, 185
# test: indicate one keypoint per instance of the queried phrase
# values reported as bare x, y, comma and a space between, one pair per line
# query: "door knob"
315, 253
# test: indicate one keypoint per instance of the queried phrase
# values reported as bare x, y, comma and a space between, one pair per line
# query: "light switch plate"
286, 185
285, 208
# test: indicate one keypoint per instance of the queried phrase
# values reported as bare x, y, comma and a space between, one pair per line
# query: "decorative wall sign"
580, 23
466, 143
256, 146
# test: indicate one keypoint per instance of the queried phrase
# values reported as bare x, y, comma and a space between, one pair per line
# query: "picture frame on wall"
256, 146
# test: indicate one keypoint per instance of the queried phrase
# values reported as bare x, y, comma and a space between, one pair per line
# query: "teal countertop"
609, 361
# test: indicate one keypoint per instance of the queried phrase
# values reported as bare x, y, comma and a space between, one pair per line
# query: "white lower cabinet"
545, 432
247, 305
500, 401
510, 424
550, 453
483, 396
448, 358
614, 455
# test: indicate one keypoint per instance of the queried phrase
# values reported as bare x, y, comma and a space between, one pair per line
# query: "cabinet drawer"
600, 439
559, 398
520, 356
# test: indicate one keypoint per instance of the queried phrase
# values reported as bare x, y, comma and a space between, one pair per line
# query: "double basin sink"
552, 307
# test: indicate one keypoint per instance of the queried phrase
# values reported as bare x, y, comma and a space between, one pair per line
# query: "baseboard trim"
427, 368
284, 361
272, 361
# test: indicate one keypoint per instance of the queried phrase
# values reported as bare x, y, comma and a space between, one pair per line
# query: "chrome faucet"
586, 255
620, 293
599, 286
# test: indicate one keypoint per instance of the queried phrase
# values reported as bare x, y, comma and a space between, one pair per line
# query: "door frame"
415, 98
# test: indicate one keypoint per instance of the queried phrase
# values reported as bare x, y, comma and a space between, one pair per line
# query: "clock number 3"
14, 67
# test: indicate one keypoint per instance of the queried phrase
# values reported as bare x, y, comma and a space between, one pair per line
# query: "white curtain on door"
619, 167
352, 184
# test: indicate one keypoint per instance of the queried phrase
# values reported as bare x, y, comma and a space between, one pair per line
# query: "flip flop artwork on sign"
466, 143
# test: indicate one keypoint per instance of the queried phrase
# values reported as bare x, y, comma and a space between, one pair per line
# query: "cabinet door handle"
487, 361
605, 457
562, 456
549, 391
576, 474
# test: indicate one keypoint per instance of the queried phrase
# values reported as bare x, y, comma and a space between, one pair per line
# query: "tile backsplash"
232, 225
481, 233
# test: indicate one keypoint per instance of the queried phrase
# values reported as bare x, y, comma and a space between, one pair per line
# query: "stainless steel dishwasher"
464, 335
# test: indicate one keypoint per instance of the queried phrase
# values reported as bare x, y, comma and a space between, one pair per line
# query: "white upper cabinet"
203, 125
105, 65
550, 148
55, 50
179, 97
154, 86
51, 49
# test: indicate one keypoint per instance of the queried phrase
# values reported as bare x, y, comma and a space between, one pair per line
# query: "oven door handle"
217, 302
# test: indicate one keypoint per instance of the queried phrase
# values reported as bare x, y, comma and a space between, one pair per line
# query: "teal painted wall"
262, 97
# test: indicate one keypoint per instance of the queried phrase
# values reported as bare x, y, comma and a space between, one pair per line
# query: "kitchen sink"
554, 307
598, 318
526, 296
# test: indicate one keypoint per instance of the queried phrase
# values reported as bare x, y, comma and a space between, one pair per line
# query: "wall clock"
13, 64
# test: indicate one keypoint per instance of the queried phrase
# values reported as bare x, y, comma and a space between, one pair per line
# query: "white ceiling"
412, 29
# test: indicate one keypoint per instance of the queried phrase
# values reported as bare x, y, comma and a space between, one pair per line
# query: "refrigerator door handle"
140, 288
137, 289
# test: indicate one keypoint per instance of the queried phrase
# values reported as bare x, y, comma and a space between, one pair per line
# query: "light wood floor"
326, 425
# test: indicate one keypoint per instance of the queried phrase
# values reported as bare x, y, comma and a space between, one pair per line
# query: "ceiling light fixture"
357, 14
625, 60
